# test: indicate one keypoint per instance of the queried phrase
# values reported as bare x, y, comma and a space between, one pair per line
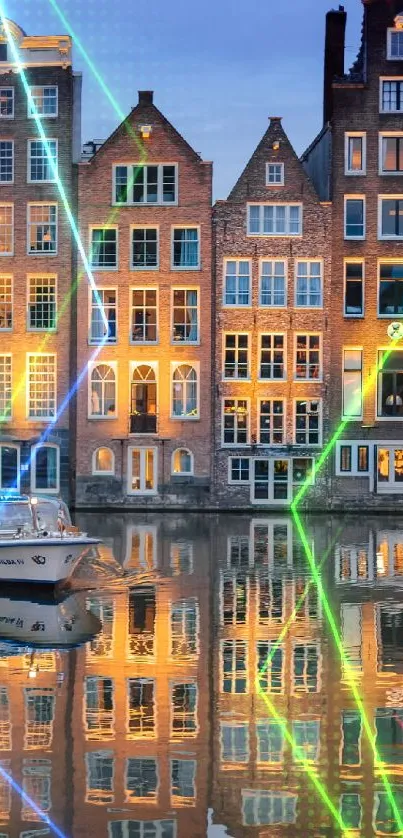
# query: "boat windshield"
48, 513
14, 515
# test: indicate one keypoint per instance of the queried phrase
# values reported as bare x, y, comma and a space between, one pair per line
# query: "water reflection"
156, 726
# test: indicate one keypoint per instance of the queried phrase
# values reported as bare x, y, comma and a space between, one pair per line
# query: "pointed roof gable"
274, 147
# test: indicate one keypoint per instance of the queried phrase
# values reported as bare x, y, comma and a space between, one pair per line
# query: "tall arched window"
182, 461
143, 411
103, 461
184, 392
103, 391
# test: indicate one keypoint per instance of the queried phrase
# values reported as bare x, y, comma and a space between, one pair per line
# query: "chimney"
146, 97
334, 56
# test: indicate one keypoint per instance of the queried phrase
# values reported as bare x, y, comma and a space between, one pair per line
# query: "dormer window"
274, 174
395, 40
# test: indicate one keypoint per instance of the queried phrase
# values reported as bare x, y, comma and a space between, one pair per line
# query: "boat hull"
45, 561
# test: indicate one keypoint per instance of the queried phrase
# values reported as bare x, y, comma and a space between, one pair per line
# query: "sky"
218, 69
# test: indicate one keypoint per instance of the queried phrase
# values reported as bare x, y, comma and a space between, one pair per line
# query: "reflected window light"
235, 749
36, 784
184, 629
100, 769
141, 708
141, 780
99, 709
181, 557
39, 717
184, 722
5, 720
183, 782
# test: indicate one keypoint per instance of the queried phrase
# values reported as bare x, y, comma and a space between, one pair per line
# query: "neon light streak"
31, 803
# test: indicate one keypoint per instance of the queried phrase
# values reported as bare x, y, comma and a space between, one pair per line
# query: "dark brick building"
272, 350
36, 303
357, 162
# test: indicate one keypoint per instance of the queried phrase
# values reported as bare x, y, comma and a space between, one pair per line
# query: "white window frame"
133, 227
301, 333
9, 417
101, 341
308, 262
11, 115
391, 31
196, 366
305, 641
320, 414
388, 261
388, 135
180, 682
46, 277
157, 825
232, 482
40, 418
37, 112
284, 351
91, 367
357, 261
383, 79
103, 268
272, 399
248, 437
185, 288
271, 795
236, 378
355, 444
351, 135
358, 417
186, 227
378, 417
5, 276
271, 500
182, 473
94, 470
262, 276
29, 223
33, 469
143, 288
29, 146
140, 492
2, 205
143, 203
274, 182
364, 203
8, 140
232, 725
287, 205
381, 198
237, 260
233, 675
17, 447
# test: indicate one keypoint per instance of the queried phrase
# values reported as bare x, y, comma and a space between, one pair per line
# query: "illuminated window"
391, 154
271, 421
239, 470
234, 599
141, 708
308, 284
308, 357
6, 303
5, 720
42, 228
45, 468
6, 102
102, 645
44, 101
237, 282
41, 386
142, 474
144, 316
354, 218
390, 218
143, 399
6, 229
261, 807
234, 743
6, 161
354, 289
9, 467
103, 461
42, 161
141, 780
307, 422
100, 777
274, 219
139, 184
236, 422
185, 315
185, 401
238, 551
99, 713
270, 666
390, 300
36, 784
391, 100
272, 357
270, 598
234, 666
186, 248
145, 248
141, 623
352, 383
305, 668
271, 480
184, 722
5, 387
104, 248
41, 303
39, 717
390, 383
355, 154
103, 391
306, 734
345, 458
272, 287
103, 304
270, 743
183, 782
182, 461
236, 356
184, 629
274, 174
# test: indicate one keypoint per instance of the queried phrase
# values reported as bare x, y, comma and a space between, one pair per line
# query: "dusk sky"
218, 68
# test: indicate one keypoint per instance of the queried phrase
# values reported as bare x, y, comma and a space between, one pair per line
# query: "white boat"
40, 622
37, 541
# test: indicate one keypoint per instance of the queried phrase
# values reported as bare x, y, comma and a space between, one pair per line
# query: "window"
272, 357
307, 422
5, 387
238, 470
309, 284
6, 303
390, 383
345, 458
234, 743
236, 422
306, 736
234, 598
363, 458
351, 811
10, 467
142, 829
183, 710
144, 248
234, 666
352, 458
41, 303
390, 218
305, 668
141, 708
99, 707
6, 161
237, 282
389, 736
41, 386
42, 228
36, 785
182, 461
395, 44
100, 776
142, 472
138, 184
103, 391
44, 101
352, 383
185, 317
350, 753
39, 717
308, 357
236, 356
274, 219
3, 52
45, 468
390, 154
185, 248
272, 284
42, 161
355, 151
270, 666
274, 174
185, 396
103, 304
184, 629
6, 229
354, 289
354, 218
183, 782
6, 102
270, 743
391, 95
141, 780
271, 480
144, 317
103, 461
181, 557
261, 807
104, 248
271, 422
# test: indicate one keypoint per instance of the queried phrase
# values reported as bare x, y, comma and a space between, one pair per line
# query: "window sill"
390, 174
182, 268
36, 182
389, 418
382, 238
263, 379
354, 238
235, 378
361, 173
237, 305
390, 316
99, 268
92, 342
36, 253
184, 418
147, 268
101, 418
185, 342
143, 342
353, 316
150, 204
6, 182
268, 306
274, 235
141, 493
308, 380
352, 418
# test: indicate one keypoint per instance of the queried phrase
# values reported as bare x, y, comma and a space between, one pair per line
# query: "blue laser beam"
27, 799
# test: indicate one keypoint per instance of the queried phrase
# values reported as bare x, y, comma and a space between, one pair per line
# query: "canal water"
209, 675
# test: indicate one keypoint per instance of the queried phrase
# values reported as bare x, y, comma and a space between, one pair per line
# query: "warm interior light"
145, 131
